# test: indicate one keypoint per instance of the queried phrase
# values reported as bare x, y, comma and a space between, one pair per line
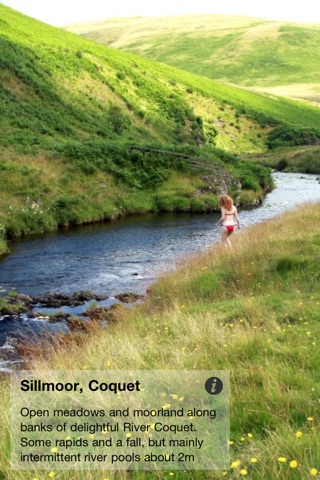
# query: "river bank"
54, 193
109, 260
129, 253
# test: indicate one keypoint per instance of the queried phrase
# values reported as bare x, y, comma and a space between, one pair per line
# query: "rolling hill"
281, 58
89, 133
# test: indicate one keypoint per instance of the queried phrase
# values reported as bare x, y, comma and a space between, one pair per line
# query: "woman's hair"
226, 202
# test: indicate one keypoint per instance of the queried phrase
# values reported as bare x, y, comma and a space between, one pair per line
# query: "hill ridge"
245, 51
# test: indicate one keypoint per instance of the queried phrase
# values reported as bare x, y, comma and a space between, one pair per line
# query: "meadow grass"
253, 310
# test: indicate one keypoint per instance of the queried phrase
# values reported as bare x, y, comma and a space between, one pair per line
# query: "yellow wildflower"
235, 464
51, 474
282, 459
250, 435
243, 472
293, 464
254, 460
310, 419
298, 434
313, 472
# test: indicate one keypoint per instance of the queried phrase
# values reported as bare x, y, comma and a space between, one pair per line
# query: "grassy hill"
73, 113
281, 58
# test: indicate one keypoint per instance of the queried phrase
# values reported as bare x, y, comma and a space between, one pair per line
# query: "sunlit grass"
263, 55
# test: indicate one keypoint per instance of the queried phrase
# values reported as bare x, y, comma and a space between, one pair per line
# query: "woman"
228, 216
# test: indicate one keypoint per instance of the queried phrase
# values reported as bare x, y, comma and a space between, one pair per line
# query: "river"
127, 254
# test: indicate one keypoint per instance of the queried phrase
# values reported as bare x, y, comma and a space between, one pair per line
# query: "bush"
285, 135
117, 119
281, 165
120, 75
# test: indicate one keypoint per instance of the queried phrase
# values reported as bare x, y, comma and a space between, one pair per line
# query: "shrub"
120, 75
281, 165
285, 135
117, 119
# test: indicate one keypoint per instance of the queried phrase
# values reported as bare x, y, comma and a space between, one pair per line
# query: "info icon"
214, 385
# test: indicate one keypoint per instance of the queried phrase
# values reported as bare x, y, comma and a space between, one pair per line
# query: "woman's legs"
225, 234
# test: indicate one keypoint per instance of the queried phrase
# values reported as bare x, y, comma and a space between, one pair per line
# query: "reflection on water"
128, 254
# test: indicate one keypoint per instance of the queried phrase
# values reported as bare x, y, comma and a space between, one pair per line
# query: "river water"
127, 254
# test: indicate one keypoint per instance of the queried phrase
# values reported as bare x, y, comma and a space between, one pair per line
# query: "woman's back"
228, 215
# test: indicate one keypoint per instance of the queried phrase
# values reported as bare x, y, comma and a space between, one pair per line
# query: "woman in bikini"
228, 216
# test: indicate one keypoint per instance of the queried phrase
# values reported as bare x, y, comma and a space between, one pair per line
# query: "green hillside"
78, 120
277, 57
